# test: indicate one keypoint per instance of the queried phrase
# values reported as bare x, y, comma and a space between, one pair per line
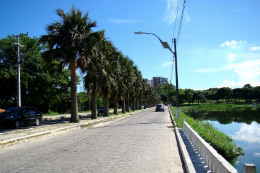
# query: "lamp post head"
140, 32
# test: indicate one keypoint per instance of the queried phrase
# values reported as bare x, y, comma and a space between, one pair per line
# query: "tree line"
49, 69
247, 93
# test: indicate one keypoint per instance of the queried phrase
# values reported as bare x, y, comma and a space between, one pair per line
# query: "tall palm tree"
128, 81
67, 40
117, 71
107, 77
95, 71
120, 80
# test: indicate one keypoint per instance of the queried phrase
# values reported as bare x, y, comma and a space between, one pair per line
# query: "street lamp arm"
164, 44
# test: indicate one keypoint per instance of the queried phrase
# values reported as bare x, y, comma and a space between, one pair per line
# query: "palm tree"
95, 71
142, 93
120, 80
128, 81
116, 69
67, 40
107, 78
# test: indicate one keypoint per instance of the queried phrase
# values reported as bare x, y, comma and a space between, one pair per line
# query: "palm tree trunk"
115, 105
74, 108
136, 103
133, 103
94, 105
106, 112
140, 102
123, 103
88, 103
144, 103
128, 104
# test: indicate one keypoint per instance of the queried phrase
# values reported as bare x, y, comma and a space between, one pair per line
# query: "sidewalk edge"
187, 161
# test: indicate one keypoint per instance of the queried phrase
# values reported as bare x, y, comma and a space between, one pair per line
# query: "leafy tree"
181, 96
224, 93
198, 95
67, 41
247, 92
41, 86
237, 93
257, 93
162, 91
247, 86
188, 95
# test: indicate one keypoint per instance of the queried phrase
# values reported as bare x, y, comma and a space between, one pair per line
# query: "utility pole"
176, 74
18, 83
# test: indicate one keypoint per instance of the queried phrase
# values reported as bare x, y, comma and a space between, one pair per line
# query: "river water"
242, 124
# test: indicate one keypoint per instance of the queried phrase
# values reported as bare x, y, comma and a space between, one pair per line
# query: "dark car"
17, 116
101, 110
159, 107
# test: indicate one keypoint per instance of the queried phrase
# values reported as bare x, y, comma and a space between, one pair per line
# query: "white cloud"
230, 58
171, 11
257, 154
187, 16
165, 64
231, 84
233, 44
248, 72
254, 48
123, 21
249, 133
226, 83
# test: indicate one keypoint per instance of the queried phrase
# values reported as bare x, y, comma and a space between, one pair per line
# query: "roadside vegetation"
222, 143
49, 67
244, 95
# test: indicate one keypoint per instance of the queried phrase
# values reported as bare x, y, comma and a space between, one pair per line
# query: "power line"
184, 3
177, 11
175, 21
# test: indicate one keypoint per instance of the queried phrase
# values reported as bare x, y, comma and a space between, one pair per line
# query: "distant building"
157, 80
150, 82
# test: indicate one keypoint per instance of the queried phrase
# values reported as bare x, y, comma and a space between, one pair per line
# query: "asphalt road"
144, 142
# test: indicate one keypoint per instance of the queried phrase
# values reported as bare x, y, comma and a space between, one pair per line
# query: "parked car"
101, 110
159, 107
17, 116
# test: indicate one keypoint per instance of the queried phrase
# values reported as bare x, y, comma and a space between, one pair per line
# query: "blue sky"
219, 40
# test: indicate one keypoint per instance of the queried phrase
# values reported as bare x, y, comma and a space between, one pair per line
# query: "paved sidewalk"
67, 116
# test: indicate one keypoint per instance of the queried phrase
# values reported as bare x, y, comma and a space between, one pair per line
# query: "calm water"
242, 124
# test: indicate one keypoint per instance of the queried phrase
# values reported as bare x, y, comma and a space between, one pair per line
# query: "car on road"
20, 116
101, 110
159, 107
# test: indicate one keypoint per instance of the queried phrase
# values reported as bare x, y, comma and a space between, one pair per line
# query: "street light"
166, 46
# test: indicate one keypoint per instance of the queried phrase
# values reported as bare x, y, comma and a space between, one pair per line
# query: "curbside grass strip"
26, 138
187, 161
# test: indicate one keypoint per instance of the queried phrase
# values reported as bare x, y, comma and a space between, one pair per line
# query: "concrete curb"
27, 138
187, 161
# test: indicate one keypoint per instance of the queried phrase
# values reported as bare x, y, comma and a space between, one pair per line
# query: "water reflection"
257, 154
226, 116
248, 133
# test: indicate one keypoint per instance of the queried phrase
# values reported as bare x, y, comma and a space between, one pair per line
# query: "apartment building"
157, 80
